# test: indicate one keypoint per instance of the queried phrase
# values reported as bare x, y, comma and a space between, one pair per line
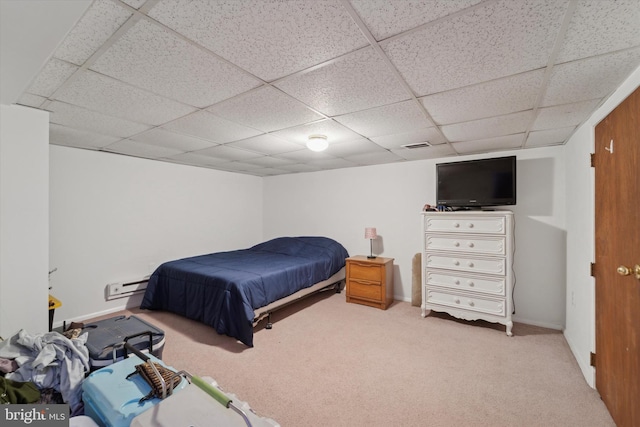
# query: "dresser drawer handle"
470, 264
456, 244
457, 300
457, 281
456, 262
471, 284
470, 244
470, 225
471, 304
456, 225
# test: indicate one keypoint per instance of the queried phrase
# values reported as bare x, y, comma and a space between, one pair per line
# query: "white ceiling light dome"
317, 143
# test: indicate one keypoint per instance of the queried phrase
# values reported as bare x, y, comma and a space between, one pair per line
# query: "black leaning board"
107, 333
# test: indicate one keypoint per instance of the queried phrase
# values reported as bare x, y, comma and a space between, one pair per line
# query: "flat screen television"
474, 184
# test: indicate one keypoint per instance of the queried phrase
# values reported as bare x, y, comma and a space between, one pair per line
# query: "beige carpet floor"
329, 363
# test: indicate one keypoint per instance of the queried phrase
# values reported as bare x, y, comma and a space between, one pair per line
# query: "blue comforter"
223, 289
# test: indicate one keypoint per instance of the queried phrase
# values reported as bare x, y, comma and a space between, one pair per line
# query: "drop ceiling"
240, 85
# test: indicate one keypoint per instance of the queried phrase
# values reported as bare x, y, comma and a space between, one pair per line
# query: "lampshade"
370, 233
317, 143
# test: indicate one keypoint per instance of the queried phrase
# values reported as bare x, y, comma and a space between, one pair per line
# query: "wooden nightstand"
370, 281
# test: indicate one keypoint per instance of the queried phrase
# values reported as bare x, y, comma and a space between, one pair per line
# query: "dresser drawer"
494, 307
366, 272
366, 290
483, 245
487, 285
466, 224
464, 263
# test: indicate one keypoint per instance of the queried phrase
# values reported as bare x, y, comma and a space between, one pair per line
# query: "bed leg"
269, 324
338, 287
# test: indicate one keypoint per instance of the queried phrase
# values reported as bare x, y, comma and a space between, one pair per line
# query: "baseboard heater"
126, 289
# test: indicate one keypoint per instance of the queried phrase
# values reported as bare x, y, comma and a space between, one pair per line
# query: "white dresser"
467, 265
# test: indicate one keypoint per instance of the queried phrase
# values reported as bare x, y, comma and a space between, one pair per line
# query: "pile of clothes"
37, 368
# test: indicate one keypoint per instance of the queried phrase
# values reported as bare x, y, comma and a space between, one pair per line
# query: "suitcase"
112, 400
193, 407
105, 338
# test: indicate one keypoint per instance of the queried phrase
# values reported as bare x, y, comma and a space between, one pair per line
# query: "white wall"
580, 329
24, 220
341, 203
116, 218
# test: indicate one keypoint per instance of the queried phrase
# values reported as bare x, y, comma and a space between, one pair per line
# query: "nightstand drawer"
365, 272
364, 289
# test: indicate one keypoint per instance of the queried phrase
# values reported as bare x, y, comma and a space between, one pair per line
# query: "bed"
232, 291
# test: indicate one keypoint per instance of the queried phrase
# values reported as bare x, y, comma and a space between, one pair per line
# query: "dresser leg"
509, 327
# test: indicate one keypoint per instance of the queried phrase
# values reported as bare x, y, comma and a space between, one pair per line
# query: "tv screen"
477, 183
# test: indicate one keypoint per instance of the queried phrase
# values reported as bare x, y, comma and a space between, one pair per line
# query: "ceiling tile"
266, 108
270, 38
494, 98
335, 132
434, 152
564, 115
376, 158
140, 149
63, 135
489, 42
197, 160
489, 128
490, 144
304, 156
229, 153
268, 161
299, 167
136, 4
164, 138
81, 118
388, 119
152, 58
103, 94
352, 148
99, 22
266, 144
549, 137
430, 135
385, 18
599, 27
351, 83
266, 172
30, 100
327, 164
51, 77
212, 128
589, 78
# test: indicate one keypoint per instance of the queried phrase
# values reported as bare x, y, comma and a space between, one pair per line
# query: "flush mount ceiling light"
317, 143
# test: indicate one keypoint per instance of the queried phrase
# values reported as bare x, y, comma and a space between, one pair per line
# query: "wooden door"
617, 234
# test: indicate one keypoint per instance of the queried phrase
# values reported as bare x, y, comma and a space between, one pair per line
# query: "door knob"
623, 270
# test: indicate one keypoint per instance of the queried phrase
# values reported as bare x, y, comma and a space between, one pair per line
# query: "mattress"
223, 289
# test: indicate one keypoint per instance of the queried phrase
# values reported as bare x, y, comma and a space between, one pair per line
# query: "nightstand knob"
470, 225
470, 264
470, 244
457, 282
456, 262
471, 304
471, 284
456, 225
457, 301
456, 244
